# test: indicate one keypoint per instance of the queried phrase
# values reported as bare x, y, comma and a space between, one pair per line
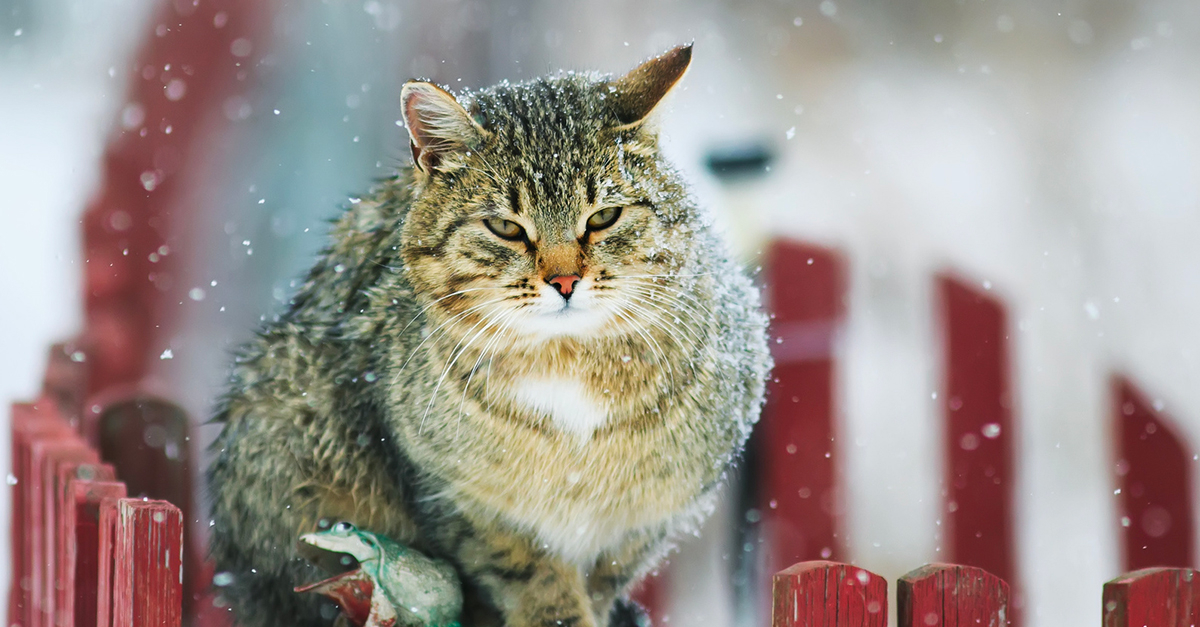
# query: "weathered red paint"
828, 594
134, 230
80, 565
798, 501
62, 576
106, 575
979, 431
951, 595
1153, 597
147, 583
57, 467
1154, 475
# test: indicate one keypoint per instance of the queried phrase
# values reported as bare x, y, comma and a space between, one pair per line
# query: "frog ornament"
393, 586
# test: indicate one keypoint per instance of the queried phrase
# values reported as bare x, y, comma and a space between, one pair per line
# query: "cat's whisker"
681, 293
669, 275
454, 360
658, 320
450, 295
685, 308
413, 353
505, 328
671, 333
690, 312
475, 368
650, 342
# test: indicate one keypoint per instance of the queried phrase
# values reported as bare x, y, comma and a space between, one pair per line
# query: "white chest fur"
566, 401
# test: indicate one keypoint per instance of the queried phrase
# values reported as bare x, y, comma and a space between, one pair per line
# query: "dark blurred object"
740, 162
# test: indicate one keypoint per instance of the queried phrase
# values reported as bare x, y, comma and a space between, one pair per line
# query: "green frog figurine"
393, 586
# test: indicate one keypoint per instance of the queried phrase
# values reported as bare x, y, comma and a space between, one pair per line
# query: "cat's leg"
627, 613
528, 586
613, 573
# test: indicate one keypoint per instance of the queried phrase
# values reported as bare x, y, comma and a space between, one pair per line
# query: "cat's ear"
639, 92
437, 125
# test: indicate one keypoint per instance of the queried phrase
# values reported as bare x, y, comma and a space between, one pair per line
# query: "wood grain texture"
106, 540
64, 456
80, 558
828, 594
950, 595
1153, 597
147, 584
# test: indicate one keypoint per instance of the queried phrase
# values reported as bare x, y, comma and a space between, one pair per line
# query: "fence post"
146, 565
78, 559
1157, 597
828, 594
950, 595
31, 424
45, 455
65, 455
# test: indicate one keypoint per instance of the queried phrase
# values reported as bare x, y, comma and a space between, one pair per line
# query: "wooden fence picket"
78, 562
951, 595
1154, 597
147, 569
828, 594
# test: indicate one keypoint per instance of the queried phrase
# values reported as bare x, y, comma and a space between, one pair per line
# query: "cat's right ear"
438, 126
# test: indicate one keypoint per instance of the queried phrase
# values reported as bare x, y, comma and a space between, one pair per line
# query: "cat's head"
544, 207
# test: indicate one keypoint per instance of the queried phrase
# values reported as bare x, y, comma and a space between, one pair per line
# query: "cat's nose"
565, 284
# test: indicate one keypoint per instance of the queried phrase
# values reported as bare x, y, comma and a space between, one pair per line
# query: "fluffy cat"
528, 354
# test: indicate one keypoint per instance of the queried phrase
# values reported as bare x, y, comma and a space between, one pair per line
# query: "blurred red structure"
81, 549
187, 76
798, 457
1153, 468
979, 429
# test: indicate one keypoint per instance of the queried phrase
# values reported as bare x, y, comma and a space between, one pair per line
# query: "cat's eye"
603, 219
506, 229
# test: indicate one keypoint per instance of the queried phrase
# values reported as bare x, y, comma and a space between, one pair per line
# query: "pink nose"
565, 284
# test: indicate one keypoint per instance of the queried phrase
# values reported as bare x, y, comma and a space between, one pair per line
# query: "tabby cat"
528, 354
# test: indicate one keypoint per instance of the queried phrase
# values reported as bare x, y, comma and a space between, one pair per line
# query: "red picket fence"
829, 594
83, 553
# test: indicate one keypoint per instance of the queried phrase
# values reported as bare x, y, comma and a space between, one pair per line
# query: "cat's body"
487, 367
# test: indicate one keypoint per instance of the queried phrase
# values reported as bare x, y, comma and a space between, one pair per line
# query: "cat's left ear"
639, 92
437, 125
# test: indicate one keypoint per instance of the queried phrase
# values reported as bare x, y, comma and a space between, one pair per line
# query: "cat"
528, 354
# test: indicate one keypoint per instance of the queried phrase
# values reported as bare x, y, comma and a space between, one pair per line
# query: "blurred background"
976, 222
